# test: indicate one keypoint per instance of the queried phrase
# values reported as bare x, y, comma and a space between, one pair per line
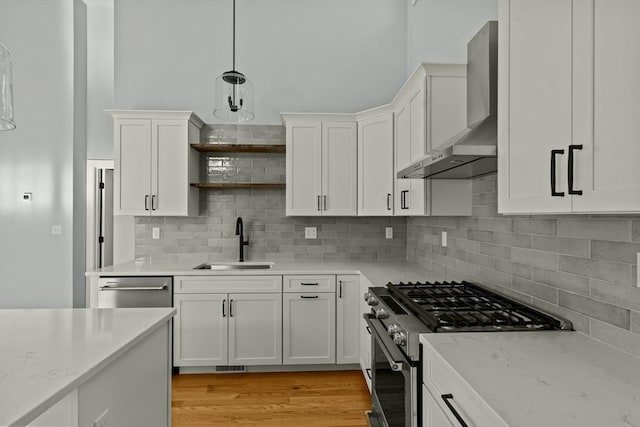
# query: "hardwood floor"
300, 399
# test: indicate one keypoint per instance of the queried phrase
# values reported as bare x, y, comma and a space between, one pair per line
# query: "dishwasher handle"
133, 288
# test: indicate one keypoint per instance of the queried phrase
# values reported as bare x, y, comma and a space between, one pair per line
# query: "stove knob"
400, 338
392, 329
381, 313
370, 299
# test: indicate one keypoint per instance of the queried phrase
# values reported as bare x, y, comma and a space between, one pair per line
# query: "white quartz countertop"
377, 272
551, 379
47, 353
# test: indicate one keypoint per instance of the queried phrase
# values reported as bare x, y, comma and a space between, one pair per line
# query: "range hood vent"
473, 152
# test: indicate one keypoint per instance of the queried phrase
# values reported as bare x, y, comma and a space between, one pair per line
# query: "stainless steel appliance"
401, 312
118, 292
474, 154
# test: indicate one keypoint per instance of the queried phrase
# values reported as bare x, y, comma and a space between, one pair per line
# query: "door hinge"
100, 239
101, 186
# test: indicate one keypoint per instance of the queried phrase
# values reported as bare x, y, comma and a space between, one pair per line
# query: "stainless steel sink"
234, 266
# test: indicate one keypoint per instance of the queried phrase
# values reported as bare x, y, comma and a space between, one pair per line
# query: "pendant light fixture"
233, 91
6, 90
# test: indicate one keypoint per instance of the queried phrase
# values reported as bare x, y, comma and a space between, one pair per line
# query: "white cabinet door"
304, 168
417, 124
607, 106
375, 166
432, 414
309, 328
446, 110
339, 163
348, 319
255, 329
169, 167
403, 136
535, 98
132, 182
365, 333
200, 330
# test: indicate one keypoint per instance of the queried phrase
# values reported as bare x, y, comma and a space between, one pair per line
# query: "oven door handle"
394, 356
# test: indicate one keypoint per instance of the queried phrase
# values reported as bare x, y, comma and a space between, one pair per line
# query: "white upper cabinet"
375, 164
569, 99
430, 111
154, 164
321, 165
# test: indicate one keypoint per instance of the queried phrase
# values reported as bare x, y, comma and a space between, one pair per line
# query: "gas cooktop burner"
452, 306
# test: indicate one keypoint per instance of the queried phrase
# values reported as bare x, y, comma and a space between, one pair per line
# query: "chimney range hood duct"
473, 152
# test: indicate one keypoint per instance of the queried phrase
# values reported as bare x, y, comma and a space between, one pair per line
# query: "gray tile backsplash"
578, 267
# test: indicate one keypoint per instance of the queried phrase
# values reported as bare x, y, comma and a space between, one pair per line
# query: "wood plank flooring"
274, 399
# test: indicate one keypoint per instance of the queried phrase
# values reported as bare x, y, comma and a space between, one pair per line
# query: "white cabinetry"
365, 333
568, 136
154, 164
228, 320
348, 317
321, 165
376, 180
309, 323
430, 111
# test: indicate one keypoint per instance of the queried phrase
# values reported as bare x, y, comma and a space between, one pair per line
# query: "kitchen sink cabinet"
568, 134
154, 164
321, 165
348, 317
309, 321
430, 111
226, 326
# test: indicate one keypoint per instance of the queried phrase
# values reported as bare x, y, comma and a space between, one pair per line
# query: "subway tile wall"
580, 267
273, 236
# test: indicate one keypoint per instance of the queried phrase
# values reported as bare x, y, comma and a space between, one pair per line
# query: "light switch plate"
388, 232
27, 197
444, 239
155, 233
56, 230
310, 233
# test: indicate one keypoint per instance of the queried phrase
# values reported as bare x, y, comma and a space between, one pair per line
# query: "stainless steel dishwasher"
120, 292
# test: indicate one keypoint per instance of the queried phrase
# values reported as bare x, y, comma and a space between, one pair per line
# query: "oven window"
390, 389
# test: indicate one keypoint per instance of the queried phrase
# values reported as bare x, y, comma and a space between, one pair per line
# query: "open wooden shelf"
238, 185
239, 148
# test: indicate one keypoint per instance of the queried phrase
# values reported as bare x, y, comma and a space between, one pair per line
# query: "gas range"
408, 309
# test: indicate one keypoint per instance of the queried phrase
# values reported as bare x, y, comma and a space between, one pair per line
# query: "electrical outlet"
155, 233
388, 232
310, 233
56, 230
102, 420
444, 239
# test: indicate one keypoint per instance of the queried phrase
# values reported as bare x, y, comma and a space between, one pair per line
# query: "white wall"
302, 55
438, 30
36, 267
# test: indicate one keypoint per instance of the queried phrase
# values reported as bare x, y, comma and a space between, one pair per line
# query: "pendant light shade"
6, 90
233, 91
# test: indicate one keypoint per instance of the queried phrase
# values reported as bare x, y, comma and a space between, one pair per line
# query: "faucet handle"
246, 242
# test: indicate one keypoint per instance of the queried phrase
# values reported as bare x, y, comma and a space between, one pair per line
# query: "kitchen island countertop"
47, 353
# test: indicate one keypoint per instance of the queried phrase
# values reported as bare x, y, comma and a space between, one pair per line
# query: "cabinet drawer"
230, 284
441, 380
310, 283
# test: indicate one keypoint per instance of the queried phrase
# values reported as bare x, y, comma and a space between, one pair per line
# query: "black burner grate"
453, 306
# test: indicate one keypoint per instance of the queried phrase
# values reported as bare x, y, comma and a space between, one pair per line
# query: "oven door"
394, 384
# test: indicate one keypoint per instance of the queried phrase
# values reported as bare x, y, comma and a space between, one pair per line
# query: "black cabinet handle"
369, 330
146, 202
308, 297
571, 150
555, 193
403, 199
309, 284
153, 202
340, 290
230, 308
388, 201
325, 202
446, 398
224, 302
319, 208
368, 371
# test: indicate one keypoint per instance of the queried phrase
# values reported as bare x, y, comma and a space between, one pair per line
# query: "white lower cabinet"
365, 333
348, 317
432, 414
214, 327
309, 328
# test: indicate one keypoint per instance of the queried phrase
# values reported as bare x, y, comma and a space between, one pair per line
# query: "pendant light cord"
234, 35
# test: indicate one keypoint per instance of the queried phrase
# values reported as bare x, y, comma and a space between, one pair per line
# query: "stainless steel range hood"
473, 152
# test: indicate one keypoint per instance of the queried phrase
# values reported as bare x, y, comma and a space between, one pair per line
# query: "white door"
255, 329
200, 329
339, 168
375, 166
348, 319
535, 98
132, 180
169, 168
309, 328
607, 106
446, 110
304, 172
432, 414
